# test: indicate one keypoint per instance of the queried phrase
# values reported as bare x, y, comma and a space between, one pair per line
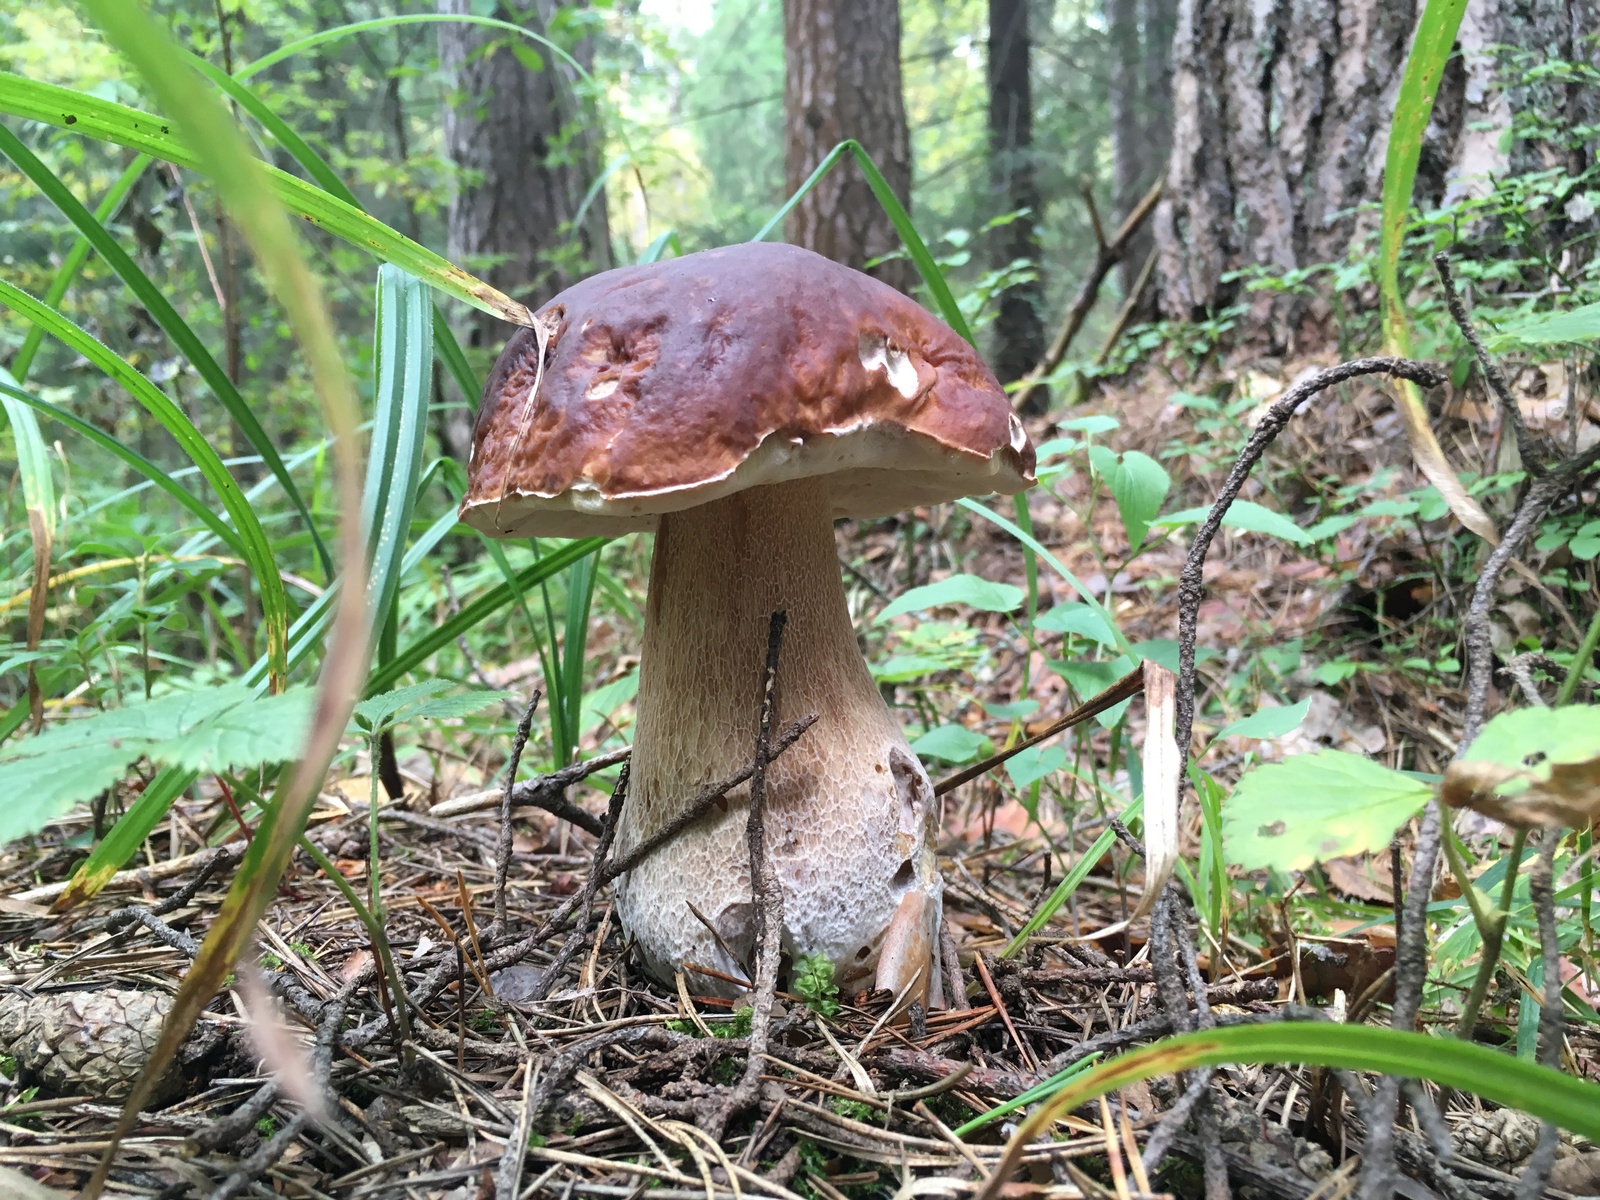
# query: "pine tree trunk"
1281, 119
842, 80
506, 128
1019, 339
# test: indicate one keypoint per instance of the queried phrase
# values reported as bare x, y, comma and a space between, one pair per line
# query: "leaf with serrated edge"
1313, 807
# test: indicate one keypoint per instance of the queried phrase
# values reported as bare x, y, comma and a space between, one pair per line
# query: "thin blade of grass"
1069, 884
1430, 50
256, 549
161, 311
403, 345
478, 609
76, 256
39, 499
1547, 1094
445, 344
156, 475
101, 119
241, 183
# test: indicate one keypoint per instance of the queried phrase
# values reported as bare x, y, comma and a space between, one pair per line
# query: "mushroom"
735, 403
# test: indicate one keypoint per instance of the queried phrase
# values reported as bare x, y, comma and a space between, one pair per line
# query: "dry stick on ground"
249, 1172
1552, 1028
766, 894
1108, 255
442, 967
1191, 590
1411, 955
502, 858
591, 888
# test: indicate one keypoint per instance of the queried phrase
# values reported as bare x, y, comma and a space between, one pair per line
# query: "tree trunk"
842, 80
1019, 331
1281, 122
524, 147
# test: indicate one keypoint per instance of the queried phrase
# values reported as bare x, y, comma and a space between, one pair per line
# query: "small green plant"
266, 1127
854, 1109
813, 983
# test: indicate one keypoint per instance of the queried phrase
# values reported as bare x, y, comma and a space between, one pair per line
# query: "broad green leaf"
206, 730
1079, 619
1033, 544
1091, 425
1248, 516
1575, 326
1031, 765
1266, 723
1139, 485
1314, 807
971, 590
601, 702
1533, 740
952, 743
1089, 678
901, 668
1014, 711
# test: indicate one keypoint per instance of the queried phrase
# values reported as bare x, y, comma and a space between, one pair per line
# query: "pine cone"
86, 1043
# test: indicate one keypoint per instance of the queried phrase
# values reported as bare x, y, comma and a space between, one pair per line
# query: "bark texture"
842, 80
1019, 338
523, 143
1280, 125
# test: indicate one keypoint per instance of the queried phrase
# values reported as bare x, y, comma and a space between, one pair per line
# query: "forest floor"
610, 1079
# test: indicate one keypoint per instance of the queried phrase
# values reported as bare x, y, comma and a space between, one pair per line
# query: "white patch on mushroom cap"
879, 353
1019, 435
601, 388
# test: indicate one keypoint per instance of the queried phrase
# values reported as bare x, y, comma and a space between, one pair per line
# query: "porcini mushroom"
735, 402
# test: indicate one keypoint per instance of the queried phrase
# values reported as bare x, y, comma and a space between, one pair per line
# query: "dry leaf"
1569, 798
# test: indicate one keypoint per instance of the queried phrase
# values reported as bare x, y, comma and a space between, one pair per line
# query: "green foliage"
1248, 516
971, 590
1268, 723
206, 730
1319, 806
435, 699
812, 981
1138, 483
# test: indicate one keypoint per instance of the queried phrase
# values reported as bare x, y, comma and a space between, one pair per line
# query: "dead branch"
1107, 256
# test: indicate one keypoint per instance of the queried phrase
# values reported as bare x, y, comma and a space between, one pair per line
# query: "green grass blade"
190, 502
943, 298
242, 186
574, 649
1069, 884
164, 315
101, 119
479, 609
446, 346
257, 548
1549, 1095
22, 362
1430, 50
324, 36
404, 357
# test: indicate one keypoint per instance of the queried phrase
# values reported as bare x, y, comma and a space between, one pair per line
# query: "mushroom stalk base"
852, 822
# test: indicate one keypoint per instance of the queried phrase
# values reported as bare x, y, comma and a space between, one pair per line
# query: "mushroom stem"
851, 818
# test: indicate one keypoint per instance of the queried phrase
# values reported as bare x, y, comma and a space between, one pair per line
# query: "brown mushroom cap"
668, 385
